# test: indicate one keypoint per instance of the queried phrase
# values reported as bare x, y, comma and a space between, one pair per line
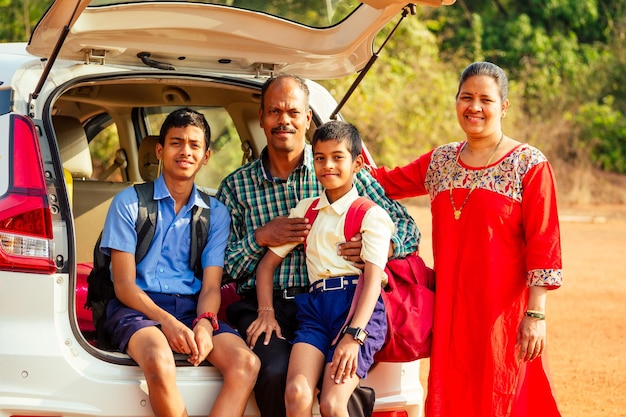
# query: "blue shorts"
122, 322
321, 316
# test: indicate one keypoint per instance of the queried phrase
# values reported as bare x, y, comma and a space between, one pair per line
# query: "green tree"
405, 104
566, 56
566, 61
604, 128
18, 18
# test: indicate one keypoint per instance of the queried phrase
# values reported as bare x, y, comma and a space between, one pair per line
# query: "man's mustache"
283, 129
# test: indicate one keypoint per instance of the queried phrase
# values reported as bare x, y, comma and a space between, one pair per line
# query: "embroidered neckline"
479, 175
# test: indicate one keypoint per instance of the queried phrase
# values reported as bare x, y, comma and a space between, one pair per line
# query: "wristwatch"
357, 333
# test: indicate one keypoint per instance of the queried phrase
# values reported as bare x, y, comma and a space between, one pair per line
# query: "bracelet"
265, 309
210, 317
535, 314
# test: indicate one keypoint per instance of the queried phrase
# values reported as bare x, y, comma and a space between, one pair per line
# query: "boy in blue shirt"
160, 305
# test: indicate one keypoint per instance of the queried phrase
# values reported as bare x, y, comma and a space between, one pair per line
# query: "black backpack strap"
99, 285
200, 224
146, 226
146, 219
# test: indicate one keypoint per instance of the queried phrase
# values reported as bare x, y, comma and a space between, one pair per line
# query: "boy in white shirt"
323, 313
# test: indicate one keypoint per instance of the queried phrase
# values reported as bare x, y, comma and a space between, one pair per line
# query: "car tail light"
25, 218
396, 413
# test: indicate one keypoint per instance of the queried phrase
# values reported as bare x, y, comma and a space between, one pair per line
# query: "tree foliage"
18, 18
565, 55
403, 106
565, 59
604, 128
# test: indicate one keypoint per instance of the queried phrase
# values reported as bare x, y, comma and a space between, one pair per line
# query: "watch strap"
211, 317
357, 333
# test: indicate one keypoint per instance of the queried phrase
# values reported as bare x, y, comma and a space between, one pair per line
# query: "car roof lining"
113, 95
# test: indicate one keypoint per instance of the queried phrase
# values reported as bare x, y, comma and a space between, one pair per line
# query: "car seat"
148, 162
73, 146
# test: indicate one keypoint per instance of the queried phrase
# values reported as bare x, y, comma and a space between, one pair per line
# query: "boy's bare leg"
239, 367
334, 397
149, 348
305, 368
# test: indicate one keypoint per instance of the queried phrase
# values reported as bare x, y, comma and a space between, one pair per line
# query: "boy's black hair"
186, 117
341, 132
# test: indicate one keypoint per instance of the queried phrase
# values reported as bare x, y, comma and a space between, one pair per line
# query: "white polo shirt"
328, 231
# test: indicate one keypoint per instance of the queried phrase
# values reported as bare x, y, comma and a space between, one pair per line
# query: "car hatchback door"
332, 40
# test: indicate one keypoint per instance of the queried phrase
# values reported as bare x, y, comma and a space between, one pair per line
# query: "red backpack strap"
352, 226
355, 215
311, 214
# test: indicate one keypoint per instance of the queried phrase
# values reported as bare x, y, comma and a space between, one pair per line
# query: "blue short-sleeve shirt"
165, 268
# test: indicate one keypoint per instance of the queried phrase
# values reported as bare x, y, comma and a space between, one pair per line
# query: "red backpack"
409, 296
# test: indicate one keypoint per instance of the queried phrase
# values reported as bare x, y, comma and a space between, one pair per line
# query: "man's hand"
282, 230
351, 251
265, 323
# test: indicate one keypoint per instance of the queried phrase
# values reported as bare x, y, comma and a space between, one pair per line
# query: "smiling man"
259, 196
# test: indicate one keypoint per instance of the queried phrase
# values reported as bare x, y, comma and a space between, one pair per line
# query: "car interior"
107, 130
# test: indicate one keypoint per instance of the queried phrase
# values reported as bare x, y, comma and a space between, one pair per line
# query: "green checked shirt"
253, 198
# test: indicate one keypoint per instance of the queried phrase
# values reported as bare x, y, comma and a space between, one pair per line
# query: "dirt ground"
586, 316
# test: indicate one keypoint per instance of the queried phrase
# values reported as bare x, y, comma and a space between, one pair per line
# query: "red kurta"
506, 239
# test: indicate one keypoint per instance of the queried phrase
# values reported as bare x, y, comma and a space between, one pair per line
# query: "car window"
318, 14
226, 146
103, 147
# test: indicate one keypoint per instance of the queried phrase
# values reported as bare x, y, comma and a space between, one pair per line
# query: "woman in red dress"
497, 252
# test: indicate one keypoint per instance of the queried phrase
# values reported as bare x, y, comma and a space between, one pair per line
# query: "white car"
77, 103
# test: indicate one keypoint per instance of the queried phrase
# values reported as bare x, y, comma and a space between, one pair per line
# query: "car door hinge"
95, 56
31, 106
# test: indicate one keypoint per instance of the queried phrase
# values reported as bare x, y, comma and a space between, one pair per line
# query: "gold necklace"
479, 175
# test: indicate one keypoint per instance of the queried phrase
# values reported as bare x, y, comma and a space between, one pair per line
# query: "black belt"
290, 293
334, 283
